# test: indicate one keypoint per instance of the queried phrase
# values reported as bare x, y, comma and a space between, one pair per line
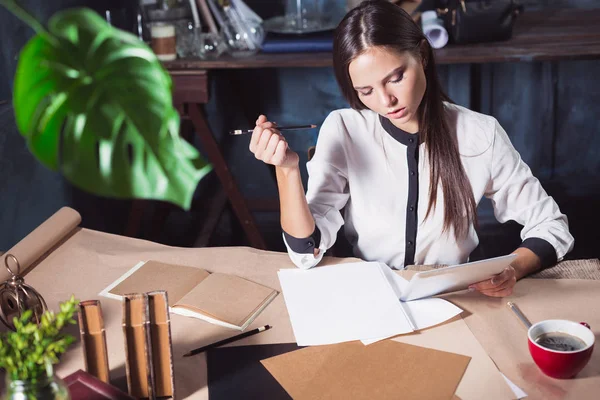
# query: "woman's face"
390, 83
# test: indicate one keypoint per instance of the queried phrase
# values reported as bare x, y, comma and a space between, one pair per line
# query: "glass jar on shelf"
180, 16
211, 45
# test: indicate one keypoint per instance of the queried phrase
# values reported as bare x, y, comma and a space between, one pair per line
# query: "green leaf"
26, 352
95, 103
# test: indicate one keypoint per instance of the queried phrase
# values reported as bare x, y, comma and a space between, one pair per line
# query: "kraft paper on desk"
90, 260
354, 301
385, 370
222, 299
505, 338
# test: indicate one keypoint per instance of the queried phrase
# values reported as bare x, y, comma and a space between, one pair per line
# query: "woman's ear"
424, 49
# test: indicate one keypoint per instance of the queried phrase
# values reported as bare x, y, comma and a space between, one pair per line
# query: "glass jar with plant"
29, 353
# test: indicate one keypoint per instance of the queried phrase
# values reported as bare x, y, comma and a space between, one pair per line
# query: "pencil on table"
228, 340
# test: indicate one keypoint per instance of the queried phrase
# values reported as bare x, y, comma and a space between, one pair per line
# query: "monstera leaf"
94, 103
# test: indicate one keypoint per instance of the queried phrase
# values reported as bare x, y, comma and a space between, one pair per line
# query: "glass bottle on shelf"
302, 15
243, 36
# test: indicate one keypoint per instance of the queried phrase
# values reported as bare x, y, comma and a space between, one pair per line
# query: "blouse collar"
400, 135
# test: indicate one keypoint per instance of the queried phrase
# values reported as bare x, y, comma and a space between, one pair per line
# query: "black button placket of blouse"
411, 141
412, 159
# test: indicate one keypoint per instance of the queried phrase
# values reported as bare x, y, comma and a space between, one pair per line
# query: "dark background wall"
548, 108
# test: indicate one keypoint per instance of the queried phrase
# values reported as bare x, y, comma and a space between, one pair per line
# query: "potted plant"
29, 353
95, 103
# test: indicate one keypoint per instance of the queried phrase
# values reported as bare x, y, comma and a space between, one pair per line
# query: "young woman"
407, 166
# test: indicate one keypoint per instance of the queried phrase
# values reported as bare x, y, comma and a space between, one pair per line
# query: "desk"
88, 261
538, 36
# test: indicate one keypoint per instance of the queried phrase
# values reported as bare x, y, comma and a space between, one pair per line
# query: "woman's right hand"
269, 145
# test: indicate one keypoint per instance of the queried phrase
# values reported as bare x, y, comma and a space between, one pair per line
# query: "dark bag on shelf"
477, 21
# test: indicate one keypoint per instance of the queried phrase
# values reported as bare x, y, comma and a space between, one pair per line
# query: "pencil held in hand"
228, 340
283, 128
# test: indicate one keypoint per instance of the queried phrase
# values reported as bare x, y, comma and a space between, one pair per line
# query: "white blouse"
380, 175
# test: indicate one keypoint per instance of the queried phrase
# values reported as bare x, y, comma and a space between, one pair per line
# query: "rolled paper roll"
164, 42
39, 242
433, 29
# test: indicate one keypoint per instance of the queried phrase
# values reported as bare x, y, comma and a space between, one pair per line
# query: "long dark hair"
381, 23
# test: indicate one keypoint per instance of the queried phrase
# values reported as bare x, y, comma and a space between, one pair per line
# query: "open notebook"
221, 299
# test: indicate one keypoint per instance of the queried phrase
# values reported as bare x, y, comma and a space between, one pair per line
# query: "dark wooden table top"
538, 36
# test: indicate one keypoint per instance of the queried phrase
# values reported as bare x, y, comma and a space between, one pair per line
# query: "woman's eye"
397, 79
365, 93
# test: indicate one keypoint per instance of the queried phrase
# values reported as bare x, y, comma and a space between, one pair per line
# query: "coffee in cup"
560, 341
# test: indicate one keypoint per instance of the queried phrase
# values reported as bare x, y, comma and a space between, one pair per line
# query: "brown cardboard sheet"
382, 370
40, 241
504, 337
93, 338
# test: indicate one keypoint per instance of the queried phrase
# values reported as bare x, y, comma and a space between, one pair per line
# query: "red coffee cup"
555, 363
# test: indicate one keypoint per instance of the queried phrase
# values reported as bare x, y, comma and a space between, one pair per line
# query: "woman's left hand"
500, 285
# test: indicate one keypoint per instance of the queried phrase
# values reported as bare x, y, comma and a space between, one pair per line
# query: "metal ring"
37, 295
16, 262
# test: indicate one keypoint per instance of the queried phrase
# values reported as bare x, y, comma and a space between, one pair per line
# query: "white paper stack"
355, 301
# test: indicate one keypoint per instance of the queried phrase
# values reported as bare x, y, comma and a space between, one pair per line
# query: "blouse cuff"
305, 245
543, 249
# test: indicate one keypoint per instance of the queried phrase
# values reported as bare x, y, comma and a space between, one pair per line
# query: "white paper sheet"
519, 393
356, 301
424, 312
341, 303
